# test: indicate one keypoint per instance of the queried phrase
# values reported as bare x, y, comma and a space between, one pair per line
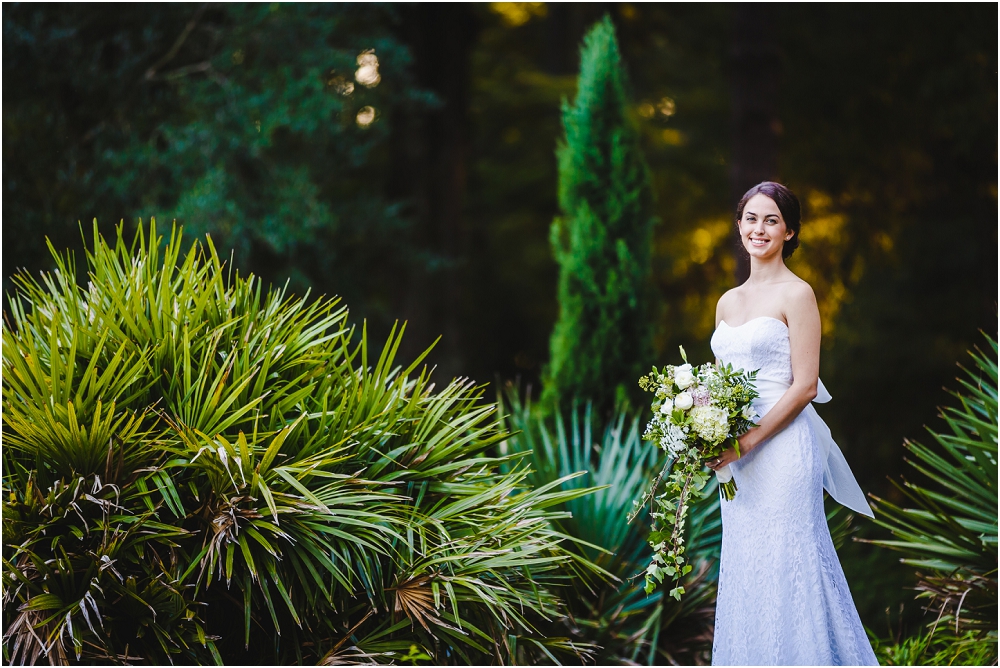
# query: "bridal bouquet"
697, 413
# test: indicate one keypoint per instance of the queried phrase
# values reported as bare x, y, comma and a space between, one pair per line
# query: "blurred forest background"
402, 156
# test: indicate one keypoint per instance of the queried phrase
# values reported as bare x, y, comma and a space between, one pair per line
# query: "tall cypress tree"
602, 340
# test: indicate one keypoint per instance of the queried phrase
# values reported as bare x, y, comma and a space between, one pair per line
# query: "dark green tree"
267, 125
602, 339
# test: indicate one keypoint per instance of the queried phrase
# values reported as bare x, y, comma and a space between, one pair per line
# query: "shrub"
950, 533
940, 649
197, 469
602, 341
616, 614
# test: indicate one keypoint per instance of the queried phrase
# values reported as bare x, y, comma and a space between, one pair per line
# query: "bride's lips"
758, 242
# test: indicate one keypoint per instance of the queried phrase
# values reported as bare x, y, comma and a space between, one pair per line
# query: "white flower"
668, 405
673, 440
683, 376
684, 401
748, 412
711, 423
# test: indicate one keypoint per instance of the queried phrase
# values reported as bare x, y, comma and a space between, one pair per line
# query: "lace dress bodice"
782, 597
761, 343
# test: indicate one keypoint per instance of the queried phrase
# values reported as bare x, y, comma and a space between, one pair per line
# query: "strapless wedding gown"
782, 597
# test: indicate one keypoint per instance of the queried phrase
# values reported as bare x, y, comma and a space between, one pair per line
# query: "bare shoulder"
798, 297
729, 296
798, 291
725, 301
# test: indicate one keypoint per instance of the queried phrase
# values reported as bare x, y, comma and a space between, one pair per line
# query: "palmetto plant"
950, 532
196, 469
617, 615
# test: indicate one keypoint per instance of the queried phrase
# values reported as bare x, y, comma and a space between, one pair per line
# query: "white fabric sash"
838, 479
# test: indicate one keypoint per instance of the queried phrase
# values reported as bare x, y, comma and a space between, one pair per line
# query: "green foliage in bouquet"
697, 413
950, 533
196, 469
601, 239
629, 626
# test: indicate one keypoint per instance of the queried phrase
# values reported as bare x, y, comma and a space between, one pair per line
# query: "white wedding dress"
783, 598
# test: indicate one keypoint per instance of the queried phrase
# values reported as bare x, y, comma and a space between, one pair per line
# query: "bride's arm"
804, 333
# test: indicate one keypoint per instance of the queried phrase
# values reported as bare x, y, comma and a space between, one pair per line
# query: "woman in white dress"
782, 597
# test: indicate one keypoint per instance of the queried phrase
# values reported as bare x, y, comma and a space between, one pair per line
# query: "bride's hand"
727, 457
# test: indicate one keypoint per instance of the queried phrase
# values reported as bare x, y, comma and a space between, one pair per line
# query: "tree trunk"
558, 47
432, 175
754, 75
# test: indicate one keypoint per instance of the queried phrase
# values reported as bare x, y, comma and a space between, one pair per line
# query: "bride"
782, 598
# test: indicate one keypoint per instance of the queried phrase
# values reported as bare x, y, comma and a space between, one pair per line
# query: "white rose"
683, 401
668, 405
683, 377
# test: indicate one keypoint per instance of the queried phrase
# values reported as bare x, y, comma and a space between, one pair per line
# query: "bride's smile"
762, 228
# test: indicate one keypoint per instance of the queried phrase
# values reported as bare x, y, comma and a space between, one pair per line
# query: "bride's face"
762, 228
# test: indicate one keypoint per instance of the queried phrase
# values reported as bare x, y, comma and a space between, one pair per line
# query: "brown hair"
788, 205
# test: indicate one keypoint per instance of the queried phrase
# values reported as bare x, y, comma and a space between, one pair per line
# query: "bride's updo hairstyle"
788, 205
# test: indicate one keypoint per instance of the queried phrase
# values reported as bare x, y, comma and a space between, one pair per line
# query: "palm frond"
615, 613
202, 470
950, 532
